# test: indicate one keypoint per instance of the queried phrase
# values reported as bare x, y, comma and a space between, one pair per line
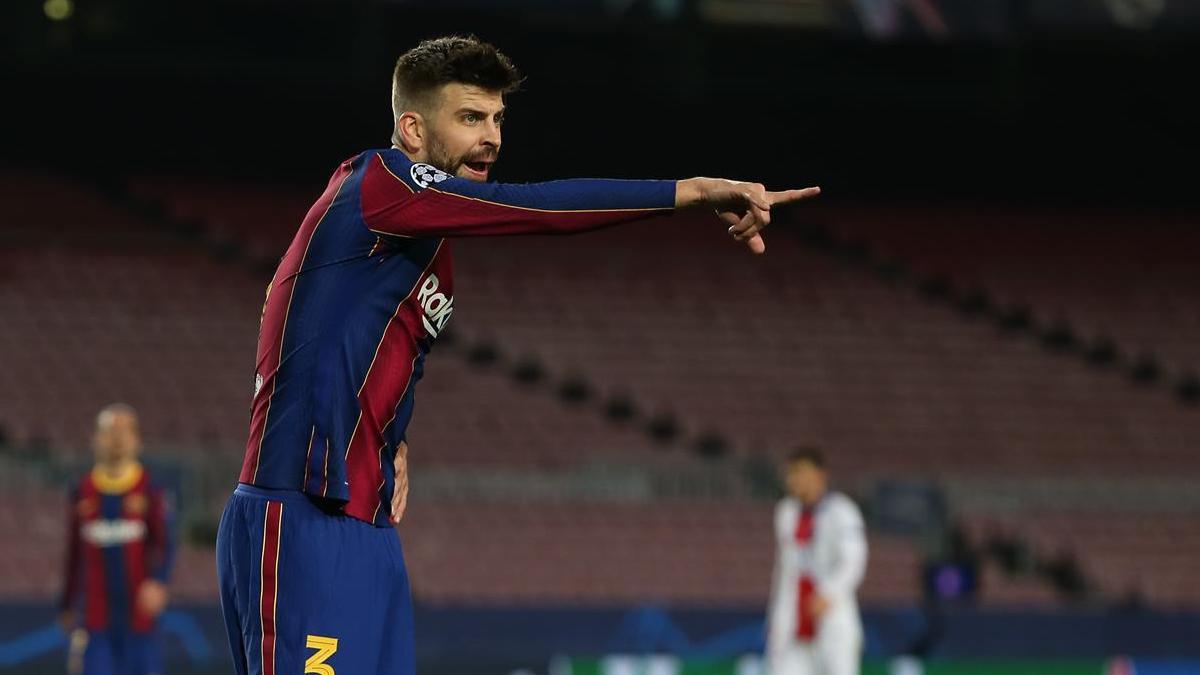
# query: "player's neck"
414, 157
117, 468
808, 504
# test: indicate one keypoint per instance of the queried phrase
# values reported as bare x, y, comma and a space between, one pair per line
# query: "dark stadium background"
990, 321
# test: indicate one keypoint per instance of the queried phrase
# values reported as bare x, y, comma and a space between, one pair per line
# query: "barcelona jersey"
358, 300
119, 536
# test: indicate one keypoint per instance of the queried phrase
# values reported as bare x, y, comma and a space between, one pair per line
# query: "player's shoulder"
841, 503
153, 482
786, 507
415, 175
785, 513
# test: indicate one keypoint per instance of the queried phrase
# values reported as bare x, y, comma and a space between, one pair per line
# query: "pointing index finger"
787, 196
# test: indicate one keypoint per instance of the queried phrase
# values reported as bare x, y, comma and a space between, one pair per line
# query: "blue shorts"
306, 591
121, 653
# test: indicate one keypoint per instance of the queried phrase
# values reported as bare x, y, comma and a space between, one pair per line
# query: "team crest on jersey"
426, 175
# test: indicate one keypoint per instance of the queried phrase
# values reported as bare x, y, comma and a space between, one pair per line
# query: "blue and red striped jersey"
358, 299
119, 534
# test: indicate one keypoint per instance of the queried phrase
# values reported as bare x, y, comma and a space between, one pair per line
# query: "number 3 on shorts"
325, 647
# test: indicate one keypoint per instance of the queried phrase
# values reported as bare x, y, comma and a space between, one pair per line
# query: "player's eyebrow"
481, 113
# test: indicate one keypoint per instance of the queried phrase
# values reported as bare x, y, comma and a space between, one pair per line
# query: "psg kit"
822, 551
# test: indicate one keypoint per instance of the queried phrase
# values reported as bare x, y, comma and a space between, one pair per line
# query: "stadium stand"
1128, 275
479, 418
1113, 550
260, 218
99, 305
669, 314
890, 383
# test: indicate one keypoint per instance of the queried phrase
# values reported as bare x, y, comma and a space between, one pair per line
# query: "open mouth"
478, 168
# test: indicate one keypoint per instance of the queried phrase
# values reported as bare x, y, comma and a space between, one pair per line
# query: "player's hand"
744, 207
818, 606
400, 491
152, 597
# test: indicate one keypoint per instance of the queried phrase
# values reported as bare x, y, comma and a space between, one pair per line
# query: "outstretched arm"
416, 200
400, 198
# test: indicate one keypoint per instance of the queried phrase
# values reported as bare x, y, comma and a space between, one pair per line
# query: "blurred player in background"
312, 575
118, 556
813, 625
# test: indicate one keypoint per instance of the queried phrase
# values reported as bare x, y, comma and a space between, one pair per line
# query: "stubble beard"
440, 158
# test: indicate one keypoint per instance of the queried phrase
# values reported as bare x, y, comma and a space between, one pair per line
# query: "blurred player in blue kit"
119, 556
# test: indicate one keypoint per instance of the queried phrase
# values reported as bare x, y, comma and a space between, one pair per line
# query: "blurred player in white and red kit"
813, 625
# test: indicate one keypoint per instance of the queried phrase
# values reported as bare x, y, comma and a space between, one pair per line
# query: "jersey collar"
122, 482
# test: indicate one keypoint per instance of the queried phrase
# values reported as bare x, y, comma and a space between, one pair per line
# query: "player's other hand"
400, 491
744, 207
152, 597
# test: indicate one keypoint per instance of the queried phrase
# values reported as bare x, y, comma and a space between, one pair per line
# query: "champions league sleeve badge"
426, 175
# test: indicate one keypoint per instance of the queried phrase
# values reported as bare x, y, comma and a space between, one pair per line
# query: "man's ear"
411, 132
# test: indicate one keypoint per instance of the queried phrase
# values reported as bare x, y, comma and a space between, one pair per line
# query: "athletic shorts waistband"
271, 494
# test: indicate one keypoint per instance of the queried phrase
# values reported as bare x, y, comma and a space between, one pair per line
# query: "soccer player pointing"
448, 101
312, 575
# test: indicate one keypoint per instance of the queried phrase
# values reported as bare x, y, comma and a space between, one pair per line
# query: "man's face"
117, 437
805, 481
464, 130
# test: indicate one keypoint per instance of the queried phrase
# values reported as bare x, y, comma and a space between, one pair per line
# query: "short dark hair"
805, 453
455, 58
